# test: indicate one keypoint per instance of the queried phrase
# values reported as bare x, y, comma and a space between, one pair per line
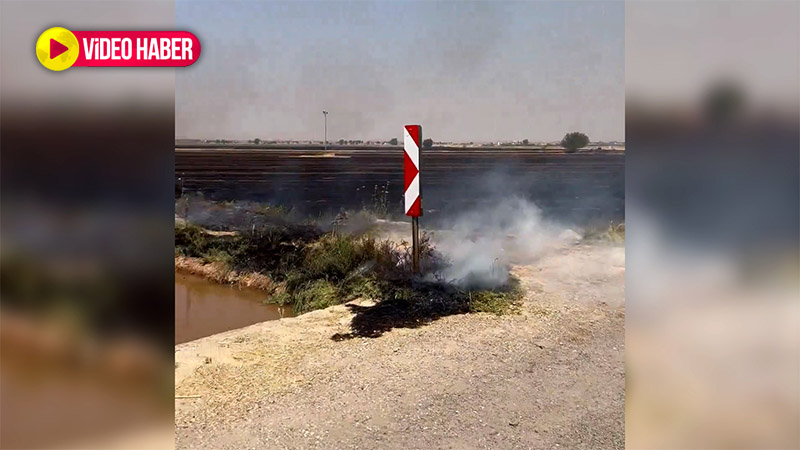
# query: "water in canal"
203, 308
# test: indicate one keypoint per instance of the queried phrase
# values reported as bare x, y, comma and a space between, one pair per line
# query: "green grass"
332, 271
500, 301
215, 255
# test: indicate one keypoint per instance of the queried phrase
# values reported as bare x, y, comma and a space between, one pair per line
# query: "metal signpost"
412, 142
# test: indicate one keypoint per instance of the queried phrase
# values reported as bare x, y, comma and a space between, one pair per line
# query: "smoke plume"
481, 245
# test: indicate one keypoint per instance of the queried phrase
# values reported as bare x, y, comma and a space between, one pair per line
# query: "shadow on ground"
420, 303
423, 307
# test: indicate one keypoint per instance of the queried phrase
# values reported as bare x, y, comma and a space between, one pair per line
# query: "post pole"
325, 114
415, 244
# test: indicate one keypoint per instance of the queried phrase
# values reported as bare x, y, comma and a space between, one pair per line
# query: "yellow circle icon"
57, 49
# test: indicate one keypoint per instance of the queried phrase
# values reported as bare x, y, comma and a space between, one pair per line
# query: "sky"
465, 71
666, 38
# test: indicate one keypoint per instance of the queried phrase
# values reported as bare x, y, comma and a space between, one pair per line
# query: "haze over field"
466, 71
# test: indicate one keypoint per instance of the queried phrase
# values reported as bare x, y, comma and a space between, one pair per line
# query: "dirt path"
551, 377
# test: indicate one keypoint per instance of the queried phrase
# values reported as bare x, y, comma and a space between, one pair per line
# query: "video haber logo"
59, 49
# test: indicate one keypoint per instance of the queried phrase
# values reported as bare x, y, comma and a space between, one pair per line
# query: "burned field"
575, 188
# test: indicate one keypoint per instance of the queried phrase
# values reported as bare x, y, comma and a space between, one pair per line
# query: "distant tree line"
571, 142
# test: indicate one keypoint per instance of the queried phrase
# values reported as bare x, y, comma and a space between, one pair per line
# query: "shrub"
216, 255
190, 240
316, 294
335, 256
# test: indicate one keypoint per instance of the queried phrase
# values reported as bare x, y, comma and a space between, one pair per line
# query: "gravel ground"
550, 377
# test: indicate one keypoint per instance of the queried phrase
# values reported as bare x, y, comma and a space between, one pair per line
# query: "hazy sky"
464, 71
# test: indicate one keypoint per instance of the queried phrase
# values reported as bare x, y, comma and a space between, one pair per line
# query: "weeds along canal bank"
309, 265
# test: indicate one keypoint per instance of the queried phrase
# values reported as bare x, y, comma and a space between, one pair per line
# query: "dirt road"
550, 377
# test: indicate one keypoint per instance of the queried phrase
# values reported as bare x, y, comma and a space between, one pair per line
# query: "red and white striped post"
412, 142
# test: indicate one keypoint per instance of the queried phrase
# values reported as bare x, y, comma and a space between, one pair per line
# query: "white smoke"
481, 245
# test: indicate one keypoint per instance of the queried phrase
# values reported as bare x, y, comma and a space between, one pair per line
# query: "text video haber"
146, 48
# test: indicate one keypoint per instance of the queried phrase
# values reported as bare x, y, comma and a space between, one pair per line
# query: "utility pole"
325, 113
